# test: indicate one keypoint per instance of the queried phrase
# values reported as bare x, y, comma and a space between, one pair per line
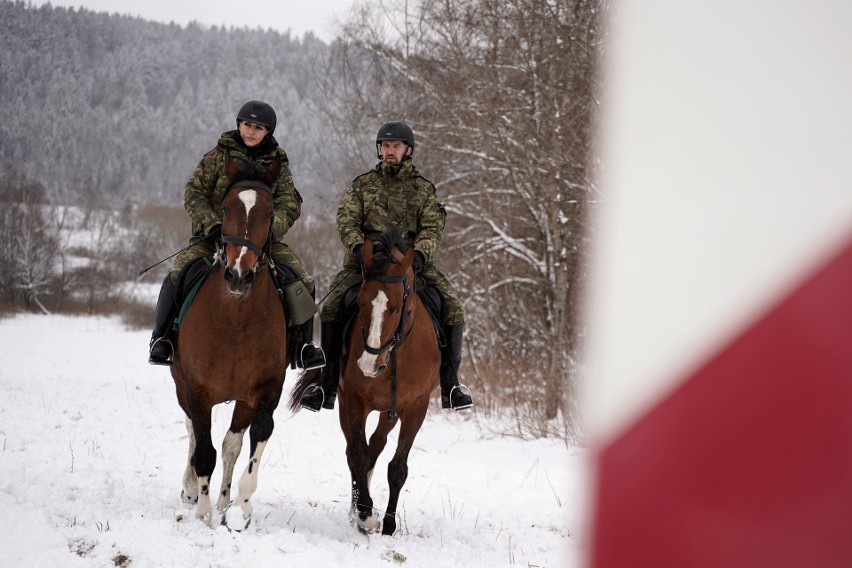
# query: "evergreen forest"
120, 110
105, 116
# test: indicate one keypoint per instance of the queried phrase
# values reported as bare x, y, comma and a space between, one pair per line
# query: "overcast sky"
319, 16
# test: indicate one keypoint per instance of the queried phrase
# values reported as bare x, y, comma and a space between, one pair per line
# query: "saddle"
189, 281
298, 305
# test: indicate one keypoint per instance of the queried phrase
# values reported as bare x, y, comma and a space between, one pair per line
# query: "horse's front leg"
357, 456
232, 445
398, 466
203, 459
238, 518
189, 493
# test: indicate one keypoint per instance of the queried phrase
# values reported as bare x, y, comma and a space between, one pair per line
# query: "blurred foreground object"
720, 317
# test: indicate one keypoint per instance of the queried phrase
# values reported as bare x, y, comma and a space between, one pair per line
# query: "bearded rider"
392, 192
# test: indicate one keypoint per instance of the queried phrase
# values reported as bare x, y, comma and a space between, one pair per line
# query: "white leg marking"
247, 486
231, 447
367, 362
370, 524
190, 482
204, 512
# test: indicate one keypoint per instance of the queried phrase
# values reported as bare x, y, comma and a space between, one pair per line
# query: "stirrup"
310, 393
463, 399
159, 358
317, 363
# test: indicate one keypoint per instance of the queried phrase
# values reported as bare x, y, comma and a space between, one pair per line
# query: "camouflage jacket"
206, 187
398, 195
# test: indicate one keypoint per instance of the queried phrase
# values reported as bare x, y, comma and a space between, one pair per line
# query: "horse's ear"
406, 259
231, 167
367, 253
270, 173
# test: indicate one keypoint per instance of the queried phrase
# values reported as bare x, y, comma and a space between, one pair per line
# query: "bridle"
262, 253
399, 335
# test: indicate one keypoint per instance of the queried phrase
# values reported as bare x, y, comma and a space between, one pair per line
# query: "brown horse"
391, 365
232, 346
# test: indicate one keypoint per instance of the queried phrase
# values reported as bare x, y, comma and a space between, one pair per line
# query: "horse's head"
384, 300
246, 225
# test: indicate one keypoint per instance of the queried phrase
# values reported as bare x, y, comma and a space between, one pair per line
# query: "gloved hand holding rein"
419, 261
215, 233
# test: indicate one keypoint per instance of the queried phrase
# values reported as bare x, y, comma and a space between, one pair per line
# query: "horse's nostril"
229, 275
381, 369
249, 278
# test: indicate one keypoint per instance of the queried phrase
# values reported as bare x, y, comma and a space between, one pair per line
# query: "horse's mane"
389, 240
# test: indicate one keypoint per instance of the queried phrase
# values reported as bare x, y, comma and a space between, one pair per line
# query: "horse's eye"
224, 210
270, 216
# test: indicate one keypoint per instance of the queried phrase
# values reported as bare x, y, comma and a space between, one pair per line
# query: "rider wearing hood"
253, 153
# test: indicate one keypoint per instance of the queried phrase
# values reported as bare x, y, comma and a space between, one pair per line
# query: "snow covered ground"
93, 446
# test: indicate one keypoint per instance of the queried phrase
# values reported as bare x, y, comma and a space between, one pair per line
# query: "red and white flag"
719, 393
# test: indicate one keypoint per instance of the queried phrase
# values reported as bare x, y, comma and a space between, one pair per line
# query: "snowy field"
94, 446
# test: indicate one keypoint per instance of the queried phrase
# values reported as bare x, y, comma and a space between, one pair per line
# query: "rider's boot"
324, 394
311, 355
453, 395
161, 350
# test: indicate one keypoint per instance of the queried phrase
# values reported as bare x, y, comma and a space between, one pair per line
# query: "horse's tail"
307, 380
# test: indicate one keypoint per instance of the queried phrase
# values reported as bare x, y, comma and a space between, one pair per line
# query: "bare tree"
29, 246
501, 96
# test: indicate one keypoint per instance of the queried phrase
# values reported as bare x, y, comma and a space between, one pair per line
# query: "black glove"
356, 252
214, 233
419, 261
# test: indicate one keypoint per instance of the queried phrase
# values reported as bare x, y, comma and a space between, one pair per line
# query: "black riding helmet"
258, 112
395, 131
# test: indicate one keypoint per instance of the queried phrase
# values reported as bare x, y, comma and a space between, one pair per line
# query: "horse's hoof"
365, 530
389, 525
223, 504
369, 525
206, 518
234, 520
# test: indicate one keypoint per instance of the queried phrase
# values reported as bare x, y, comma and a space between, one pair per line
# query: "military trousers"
351, 275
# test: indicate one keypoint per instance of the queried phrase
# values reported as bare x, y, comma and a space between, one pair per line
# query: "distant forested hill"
114, 107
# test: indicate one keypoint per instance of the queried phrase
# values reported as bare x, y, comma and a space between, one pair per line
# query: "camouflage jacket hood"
206, 187
392, 194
